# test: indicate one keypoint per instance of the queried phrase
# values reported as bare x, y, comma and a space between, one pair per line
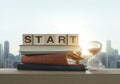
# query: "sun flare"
84, 38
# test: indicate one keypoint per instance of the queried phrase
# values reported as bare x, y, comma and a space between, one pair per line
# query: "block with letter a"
50, 39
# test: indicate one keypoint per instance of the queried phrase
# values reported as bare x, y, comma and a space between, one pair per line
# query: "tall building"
108, 46
6, 49
118, 64
108, 51
113, 58
111, 55
11, 60
1, 56
6, 54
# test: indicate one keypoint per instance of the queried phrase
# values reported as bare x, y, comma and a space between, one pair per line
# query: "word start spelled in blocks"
50, 39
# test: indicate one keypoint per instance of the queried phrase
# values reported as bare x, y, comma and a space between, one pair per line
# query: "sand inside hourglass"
94, 51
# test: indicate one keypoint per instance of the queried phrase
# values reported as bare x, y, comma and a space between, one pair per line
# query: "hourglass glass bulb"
94, 47
94, 63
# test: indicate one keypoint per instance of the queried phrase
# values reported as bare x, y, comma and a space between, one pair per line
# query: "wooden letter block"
27, 39
73, 39
39, 39
61, 39
50, 39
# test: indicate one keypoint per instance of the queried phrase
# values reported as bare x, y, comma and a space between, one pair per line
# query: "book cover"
51, 68
51, 59
43, 49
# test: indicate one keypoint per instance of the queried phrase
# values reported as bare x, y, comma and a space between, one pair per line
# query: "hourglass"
94, 63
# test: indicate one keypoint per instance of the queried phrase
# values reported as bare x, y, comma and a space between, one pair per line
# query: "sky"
91, 19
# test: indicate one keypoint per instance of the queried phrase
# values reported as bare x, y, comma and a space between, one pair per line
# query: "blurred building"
108, 51
1, 56
112, 55
17, 61
15, 64
6, 49
11, 60
6, 54
118, 64
113, 58
102, 56
108, 46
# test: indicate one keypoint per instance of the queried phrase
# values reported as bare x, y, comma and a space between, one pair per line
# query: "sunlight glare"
84, 38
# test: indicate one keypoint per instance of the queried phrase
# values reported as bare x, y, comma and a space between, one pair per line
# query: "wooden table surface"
15, 71
14, 76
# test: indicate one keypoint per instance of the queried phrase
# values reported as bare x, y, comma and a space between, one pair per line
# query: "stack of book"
50, 52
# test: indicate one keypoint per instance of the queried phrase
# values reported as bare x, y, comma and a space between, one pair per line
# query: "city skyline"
91, 19
109, 59
84, 50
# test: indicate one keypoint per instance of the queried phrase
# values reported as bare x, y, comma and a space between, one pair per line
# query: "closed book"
44, 49
51, 59
51, 68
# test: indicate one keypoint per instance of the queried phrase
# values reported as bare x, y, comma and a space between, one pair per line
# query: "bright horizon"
91, 19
